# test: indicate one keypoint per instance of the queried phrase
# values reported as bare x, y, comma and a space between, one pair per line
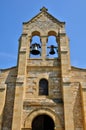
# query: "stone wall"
7, 96
20, 101
54, 80
77, 106
8, 108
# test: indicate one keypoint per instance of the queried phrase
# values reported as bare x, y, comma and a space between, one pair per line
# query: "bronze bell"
35, 49
52, 52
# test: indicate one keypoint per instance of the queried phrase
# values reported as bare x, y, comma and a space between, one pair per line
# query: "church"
43, 91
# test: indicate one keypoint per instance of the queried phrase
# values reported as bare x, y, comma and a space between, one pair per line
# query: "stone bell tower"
44, 91
42, 67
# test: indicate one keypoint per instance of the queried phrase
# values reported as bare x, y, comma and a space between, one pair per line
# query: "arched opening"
43, 122
43, 87
35, 46
36, 39
35, 33
52, 47
52, 33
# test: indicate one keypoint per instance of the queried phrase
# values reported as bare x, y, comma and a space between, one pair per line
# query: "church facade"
43, 92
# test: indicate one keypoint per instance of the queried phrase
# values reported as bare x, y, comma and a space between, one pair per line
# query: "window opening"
35, 47
52, 47
43, 87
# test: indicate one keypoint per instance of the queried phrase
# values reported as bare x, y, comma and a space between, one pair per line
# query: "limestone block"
23, 49
79, 129
66, 80
64, 49
83, 84
2, 87
20, 79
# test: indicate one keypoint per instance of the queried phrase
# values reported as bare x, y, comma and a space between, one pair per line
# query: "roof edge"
44, 10
76, 68
14, 67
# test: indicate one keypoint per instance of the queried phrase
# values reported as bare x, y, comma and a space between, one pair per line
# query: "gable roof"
44, 11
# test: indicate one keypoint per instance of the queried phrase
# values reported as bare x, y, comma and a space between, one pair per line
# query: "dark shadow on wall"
77, 109
9, 101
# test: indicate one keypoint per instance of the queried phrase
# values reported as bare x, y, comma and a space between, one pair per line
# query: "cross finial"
43, 9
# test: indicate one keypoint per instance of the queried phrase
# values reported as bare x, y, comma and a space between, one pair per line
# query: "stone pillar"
18, 106
68, 111
2, 102
28, 47
65, 74
44, 51
22, 55
20, 85
83, 85
64, 52
0, 121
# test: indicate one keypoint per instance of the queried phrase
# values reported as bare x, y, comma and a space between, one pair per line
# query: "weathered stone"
43, 86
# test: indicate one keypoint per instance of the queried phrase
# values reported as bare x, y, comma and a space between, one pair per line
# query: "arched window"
52, 47
43, 87
35, 47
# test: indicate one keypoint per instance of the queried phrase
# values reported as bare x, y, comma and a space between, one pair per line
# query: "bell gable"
43, 22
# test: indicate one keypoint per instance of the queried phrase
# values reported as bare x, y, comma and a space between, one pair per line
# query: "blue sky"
14, 12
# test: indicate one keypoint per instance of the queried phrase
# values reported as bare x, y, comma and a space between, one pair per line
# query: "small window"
43, 87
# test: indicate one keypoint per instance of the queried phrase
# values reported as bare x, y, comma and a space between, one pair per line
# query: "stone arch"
43, 111
52, 33
34, 33
52, 45
35, 45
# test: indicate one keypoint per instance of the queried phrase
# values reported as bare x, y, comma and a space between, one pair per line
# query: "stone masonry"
43, 93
